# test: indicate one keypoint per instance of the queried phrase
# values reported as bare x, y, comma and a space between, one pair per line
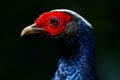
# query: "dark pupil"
54, 21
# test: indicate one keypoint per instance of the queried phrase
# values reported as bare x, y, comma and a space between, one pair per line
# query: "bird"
72, 35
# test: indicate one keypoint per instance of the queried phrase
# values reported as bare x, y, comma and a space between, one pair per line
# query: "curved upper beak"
31, 29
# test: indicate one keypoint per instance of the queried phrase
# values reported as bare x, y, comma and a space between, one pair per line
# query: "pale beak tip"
22, 33
25, 31
30, 30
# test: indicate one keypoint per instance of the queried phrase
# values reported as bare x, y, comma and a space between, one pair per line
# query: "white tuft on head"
73, 13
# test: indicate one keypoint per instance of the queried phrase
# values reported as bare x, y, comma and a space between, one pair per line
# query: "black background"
17, 60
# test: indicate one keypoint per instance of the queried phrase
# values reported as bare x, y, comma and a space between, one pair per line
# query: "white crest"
73, 13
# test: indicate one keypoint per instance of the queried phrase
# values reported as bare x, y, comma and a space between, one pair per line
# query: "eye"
54, 21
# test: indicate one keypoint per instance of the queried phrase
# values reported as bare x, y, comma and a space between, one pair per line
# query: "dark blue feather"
80, 63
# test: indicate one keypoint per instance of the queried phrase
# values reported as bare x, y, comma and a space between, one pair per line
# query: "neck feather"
79, 59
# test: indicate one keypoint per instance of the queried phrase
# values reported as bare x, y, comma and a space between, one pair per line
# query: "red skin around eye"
43, 22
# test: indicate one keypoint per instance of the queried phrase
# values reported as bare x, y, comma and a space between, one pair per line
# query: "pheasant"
72, 35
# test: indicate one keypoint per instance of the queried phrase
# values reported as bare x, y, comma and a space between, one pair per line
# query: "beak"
31, 29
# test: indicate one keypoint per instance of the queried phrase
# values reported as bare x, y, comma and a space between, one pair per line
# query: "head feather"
73, 13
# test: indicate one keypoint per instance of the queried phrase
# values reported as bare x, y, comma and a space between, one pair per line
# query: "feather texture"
79, 64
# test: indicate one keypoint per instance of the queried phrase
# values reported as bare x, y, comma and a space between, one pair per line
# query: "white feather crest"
73, 13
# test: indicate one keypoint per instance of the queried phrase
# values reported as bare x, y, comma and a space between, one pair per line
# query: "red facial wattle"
53, 22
